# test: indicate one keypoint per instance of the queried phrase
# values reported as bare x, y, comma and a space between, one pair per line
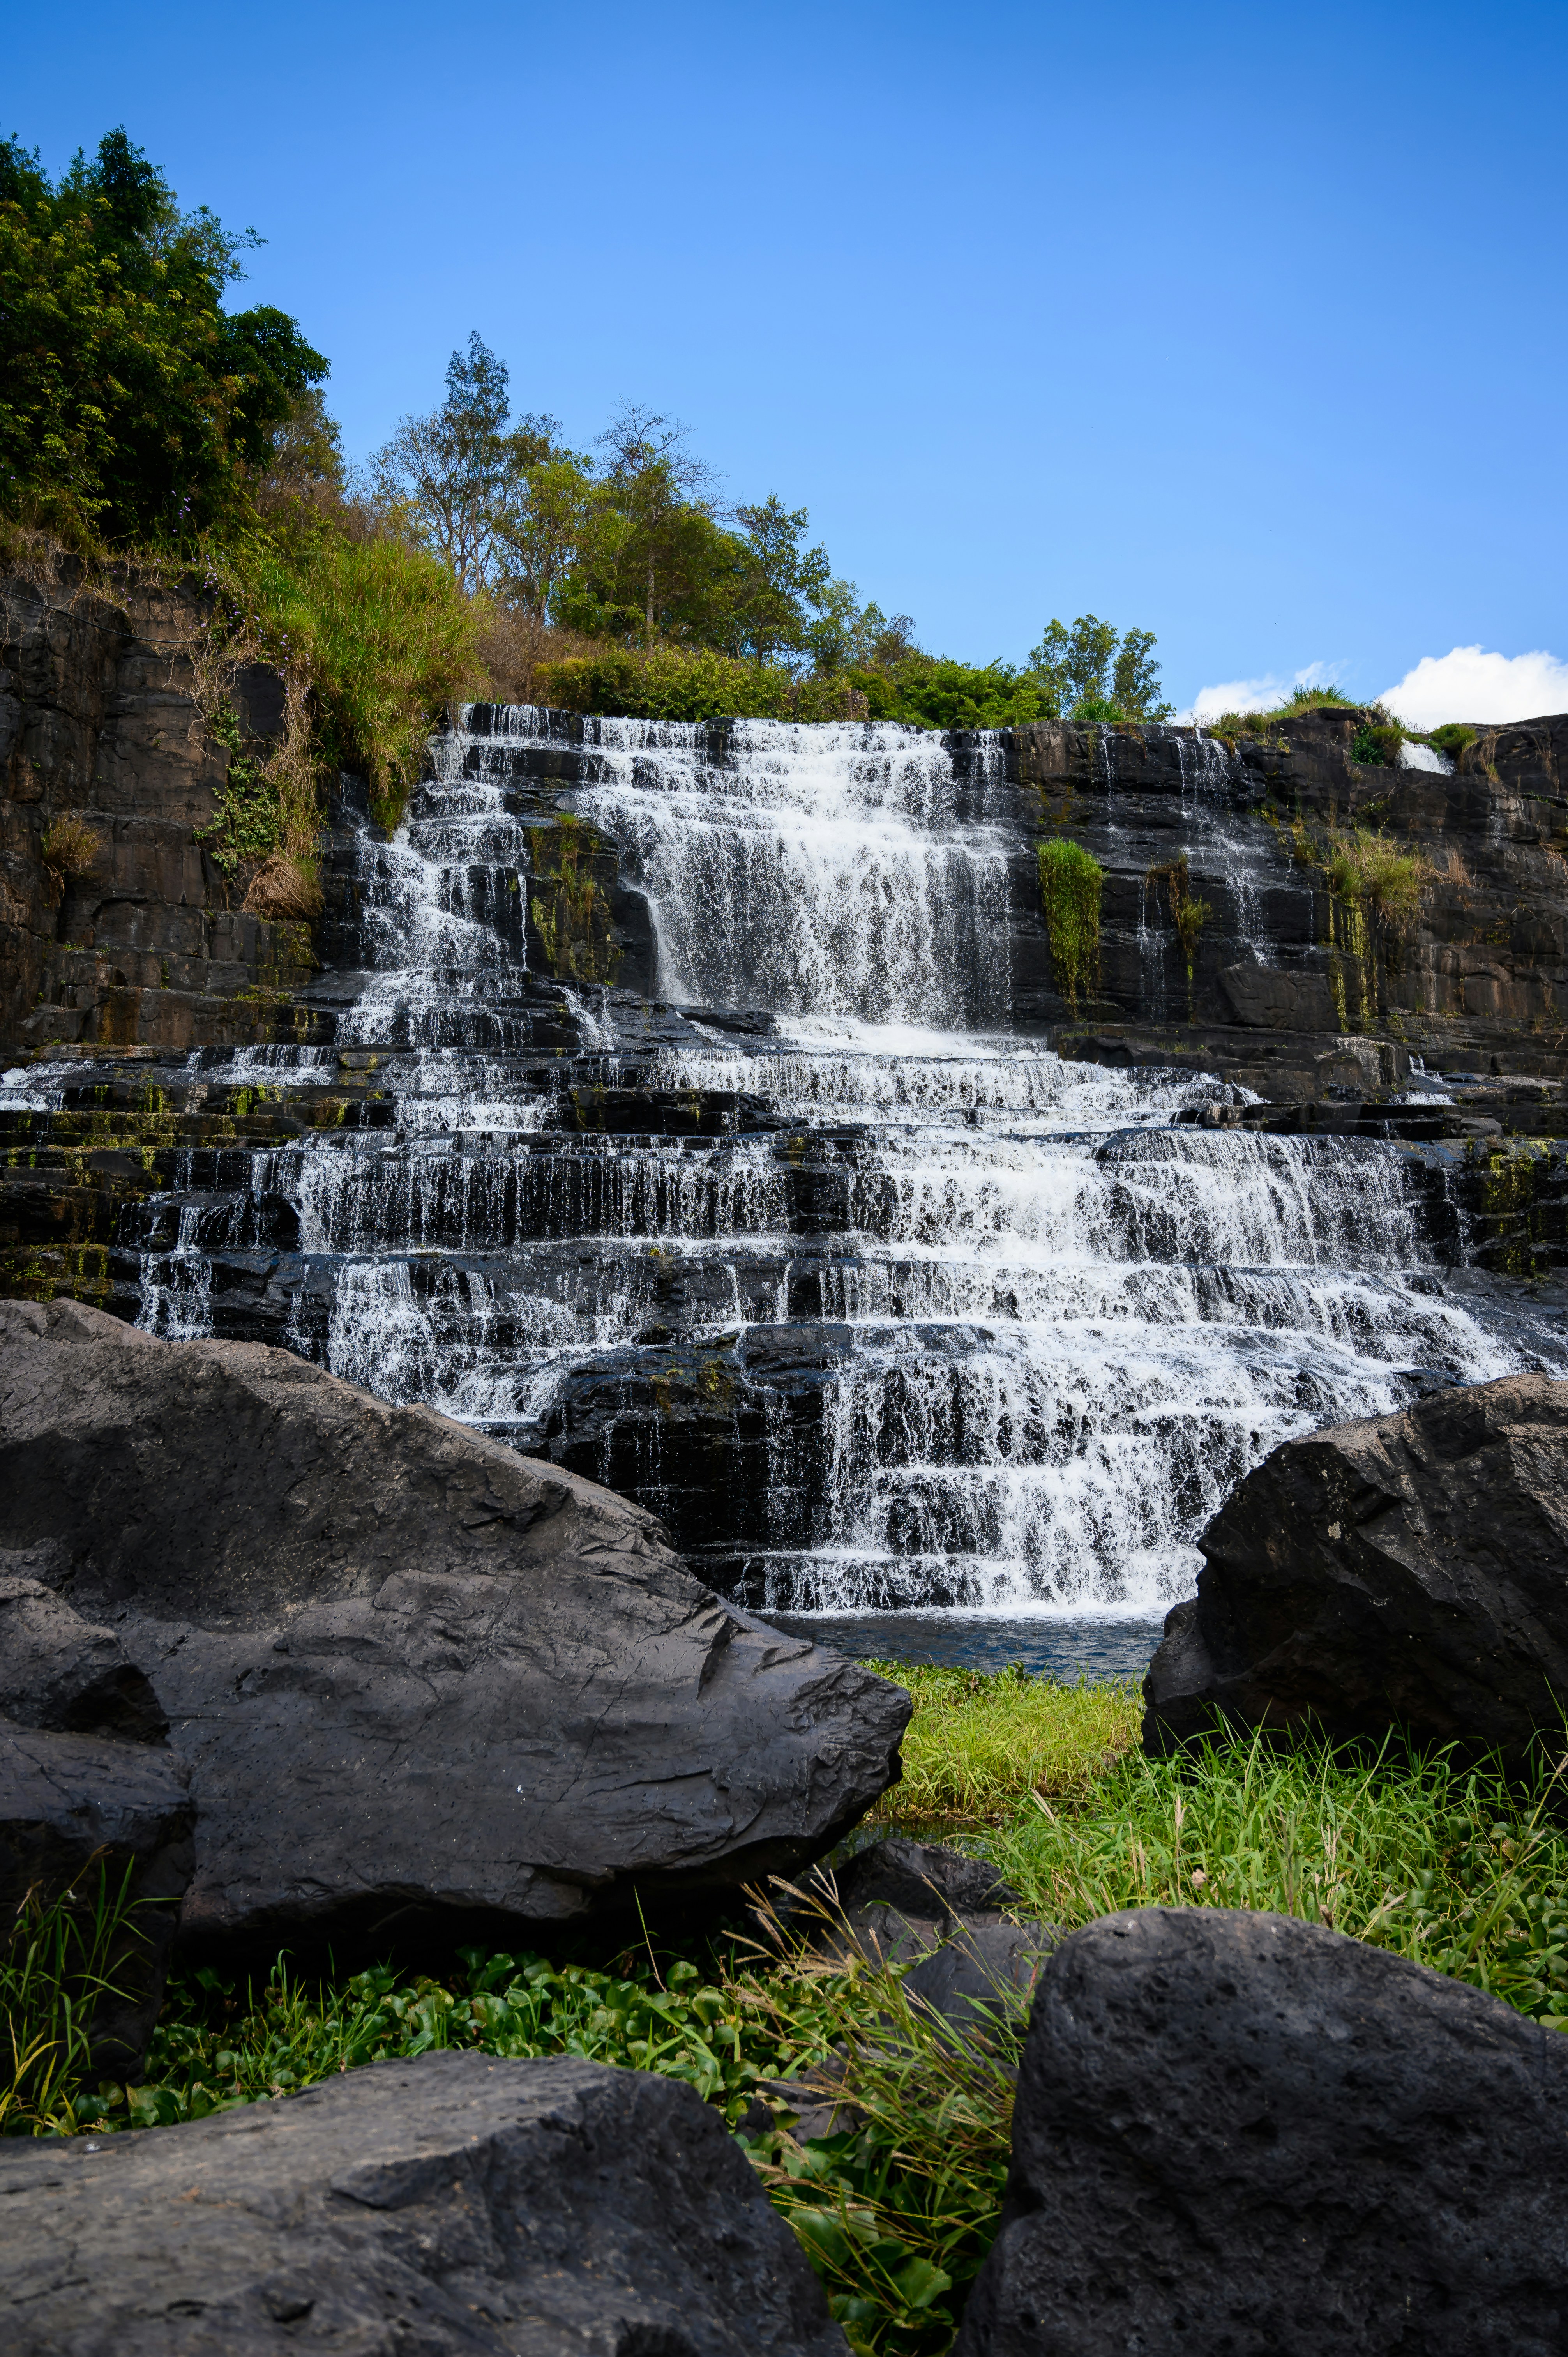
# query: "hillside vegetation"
145, 425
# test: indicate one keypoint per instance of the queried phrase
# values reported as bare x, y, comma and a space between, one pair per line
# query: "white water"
1055, 1328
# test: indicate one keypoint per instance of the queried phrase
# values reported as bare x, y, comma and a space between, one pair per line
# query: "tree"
132, 404
1091, 674
1136, 683
782, 578
449, 479
655, 483
547, 530
303, 467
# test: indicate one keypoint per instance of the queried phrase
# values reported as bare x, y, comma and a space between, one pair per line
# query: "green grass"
1365, 865
1457, 1868
61, 1958
1460, 1869
978, 1743
1071, 882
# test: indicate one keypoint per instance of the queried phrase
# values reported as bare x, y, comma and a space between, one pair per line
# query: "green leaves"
130, 403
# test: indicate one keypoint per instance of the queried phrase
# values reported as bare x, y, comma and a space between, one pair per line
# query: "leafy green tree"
781, 581
1091, 673
551, 523
131, 405
1135, 682
450, 481
658, 489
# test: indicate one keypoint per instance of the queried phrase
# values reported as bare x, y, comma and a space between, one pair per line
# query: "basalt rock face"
1241, 2133
453, 2204
1408, 1571
412, 1672
150, 947
1290, 985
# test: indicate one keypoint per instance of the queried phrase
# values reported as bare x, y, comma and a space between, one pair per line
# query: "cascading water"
984, 1329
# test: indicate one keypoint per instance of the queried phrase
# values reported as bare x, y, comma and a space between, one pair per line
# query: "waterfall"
880, 1304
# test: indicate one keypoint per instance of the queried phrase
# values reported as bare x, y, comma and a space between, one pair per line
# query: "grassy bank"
1461, 1870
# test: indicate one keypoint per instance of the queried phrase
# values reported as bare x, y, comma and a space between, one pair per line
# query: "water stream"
999, 1332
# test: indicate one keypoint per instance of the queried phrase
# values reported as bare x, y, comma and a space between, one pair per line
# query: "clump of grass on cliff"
372, 636
1366, 866
1071, 882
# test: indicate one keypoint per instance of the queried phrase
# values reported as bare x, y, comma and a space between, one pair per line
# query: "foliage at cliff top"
131, 403
479, 552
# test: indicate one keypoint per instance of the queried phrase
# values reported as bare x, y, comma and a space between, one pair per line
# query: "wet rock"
415, 1674
1406, 1571
452, 2203
100, 1821
1239, 2133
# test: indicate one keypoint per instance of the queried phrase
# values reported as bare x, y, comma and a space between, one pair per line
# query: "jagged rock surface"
411, 1670
454, 2203
1406, 1571
1241, 2134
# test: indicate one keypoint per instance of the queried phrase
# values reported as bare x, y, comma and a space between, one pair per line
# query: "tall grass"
1457, 1868
977, 1743
59, 1962
373, 638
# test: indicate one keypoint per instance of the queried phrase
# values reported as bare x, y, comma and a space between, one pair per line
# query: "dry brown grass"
511, 647
1453, 870
71, 847
283, 889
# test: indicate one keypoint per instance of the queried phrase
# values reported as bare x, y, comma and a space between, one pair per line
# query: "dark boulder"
1238, 2134
412, 1671
89, 1823
453, 2203
1406, 1571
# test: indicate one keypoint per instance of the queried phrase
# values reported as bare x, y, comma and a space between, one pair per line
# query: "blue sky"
1246, 325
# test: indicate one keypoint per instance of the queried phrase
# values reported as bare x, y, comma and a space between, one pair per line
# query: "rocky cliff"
135, 939
1286, 975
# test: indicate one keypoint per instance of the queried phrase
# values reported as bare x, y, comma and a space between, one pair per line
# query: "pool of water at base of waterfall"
1063, 1645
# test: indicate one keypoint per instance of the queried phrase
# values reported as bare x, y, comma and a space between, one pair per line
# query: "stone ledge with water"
692, 1119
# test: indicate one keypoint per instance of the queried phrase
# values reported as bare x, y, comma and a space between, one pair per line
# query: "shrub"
71, 847
666, 683
1452, 738
1189, 914
1071, 881
1366, 866
373, 638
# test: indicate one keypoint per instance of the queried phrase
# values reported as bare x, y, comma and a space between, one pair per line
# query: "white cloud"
1254, 695
1466, 685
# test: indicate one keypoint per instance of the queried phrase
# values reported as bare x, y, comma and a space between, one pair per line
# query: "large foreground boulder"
454, 2204
1238, 2134
409, 1669
1405, 1571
